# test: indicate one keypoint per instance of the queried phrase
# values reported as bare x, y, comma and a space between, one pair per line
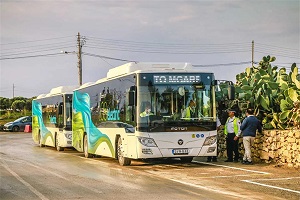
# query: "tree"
4, 103
18, 105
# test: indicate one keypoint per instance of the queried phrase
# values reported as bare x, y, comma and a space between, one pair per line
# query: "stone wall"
281, 147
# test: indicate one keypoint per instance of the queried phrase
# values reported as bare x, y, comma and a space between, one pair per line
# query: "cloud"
163, 22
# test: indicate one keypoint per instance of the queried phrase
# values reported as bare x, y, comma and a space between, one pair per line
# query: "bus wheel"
122, 160
40, 141
85, 147
58, 148
186, 159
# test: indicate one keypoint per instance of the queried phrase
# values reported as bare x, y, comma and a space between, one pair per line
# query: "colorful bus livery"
52, 118
147, 110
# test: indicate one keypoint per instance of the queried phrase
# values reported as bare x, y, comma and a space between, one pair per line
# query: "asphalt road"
31, 172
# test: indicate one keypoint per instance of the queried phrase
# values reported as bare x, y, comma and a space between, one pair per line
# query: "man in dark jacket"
248, 128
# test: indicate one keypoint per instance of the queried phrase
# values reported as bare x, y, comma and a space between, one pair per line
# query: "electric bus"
52, 118
147, 110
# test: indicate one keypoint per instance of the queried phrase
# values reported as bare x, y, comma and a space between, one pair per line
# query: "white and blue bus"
52, 118
147, 110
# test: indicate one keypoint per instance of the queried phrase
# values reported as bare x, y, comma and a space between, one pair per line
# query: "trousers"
248, 141
232, 147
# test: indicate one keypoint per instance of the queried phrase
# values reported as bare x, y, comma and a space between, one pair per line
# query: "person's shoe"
214, 160
228, 161
249, 163
236, 161
244, 162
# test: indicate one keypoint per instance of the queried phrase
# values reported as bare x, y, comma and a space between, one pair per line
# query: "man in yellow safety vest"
147, 112
189, 112
232, 132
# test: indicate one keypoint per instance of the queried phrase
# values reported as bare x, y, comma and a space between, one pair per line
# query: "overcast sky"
215, 35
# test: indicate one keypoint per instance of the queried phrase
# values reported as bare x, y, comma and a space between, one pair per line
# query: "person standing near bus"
249, 126
232, 132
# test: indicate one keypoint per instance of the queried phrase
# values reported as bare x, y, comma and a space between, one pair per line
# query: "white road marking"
250, 181
55, 174
271, 186
236, 168
30, 187
276, 179
210, 189
229, 176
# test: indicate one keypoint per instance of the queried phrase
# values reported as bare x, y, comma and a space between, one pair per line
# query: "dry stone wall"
281, 147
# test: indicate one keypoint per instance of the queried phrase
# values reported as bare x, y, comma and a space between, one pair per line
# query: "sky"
215, 36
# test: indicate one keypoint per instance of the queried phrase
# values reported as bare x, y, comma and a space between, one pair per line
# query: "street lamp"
79, 63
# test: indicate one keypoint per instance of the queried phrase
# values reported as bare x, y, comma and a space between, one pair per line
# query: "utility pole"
252, 53
79, 64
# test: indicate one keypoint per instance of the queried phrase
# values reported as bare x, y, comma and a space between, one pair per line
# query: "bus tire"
58, 148
40, 141
86, 147
123, 161
186, 159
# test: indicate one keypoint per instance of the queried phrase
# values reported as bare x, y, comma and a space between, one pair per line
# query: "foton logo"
180, 142
178, 128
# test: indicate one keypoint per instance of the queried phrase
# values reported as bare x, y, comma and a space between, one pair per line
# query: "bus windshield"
164, 105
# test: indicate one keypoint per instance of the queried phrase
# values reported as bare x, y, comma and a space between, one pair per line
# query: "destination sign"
165, 79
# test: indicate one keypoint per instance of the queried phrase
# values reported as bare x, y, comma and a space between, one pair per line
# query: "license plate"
180, 151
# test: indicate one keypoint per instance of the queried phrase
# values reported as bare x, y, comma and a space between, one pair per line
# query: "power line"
168, 48
223, 64
106, 57
159, 43
277, 50
277, 46
35, 40
282, 55
40, 46
185, 48
143, 47
166, 52
280, 51
33, 56
37, 51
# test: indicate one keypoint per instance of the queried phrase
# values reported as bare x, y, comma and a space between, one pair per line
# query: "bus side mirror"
132, 96
214, 82
231, 92
60, 109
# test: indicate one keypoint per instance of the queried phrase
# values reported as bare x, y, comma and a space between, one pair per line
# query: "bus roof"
141, 67
144, 67
58, 90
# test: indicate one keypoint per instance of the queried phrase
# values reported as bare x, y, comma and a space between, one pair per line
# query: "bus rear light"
148, 142
210, 140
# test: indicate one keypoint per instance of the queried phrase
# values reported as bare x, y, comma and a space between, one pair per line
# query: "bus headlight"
210, 140
148, 142
68, 135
